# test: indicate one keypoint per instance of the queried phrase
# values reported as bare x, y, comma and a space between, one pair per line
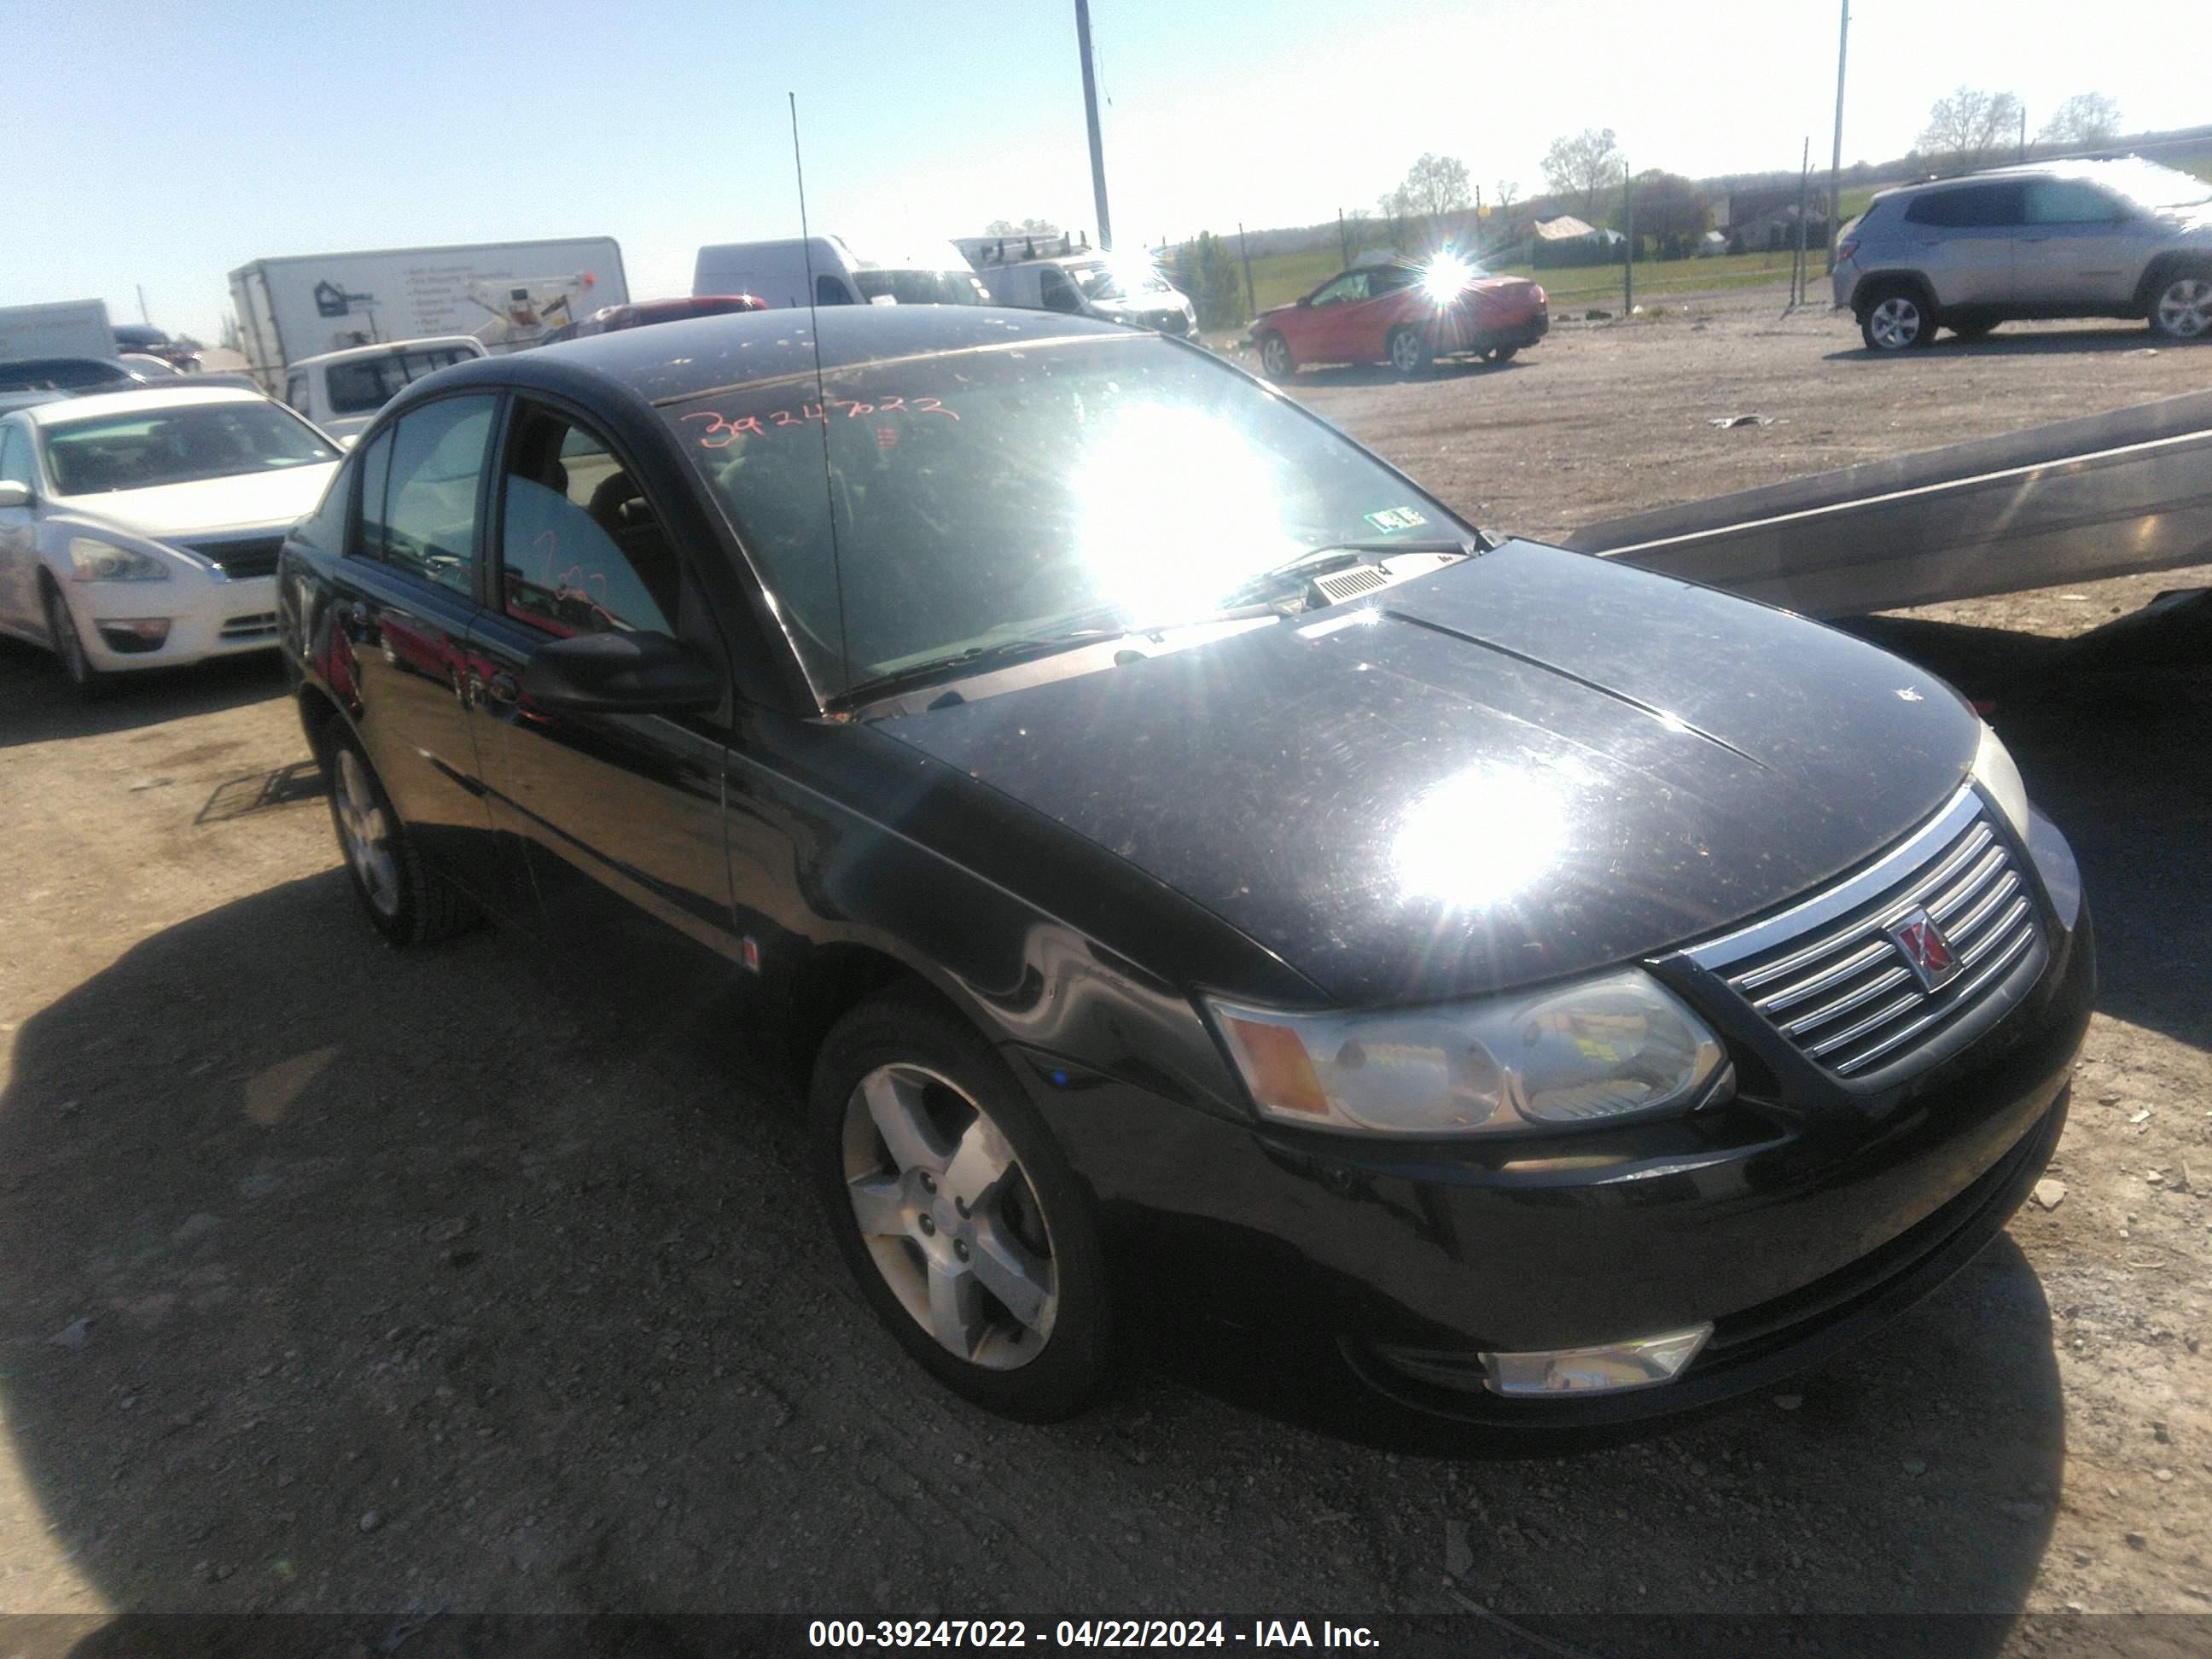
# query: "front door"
1333, 331
402, 601
19, 545
2079, 246
617, 818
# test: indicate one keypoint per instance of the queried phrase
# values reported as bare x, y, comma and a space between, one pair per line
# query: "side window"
16, 456
1058, 293
829, 291
363, 386
1969, 208
295, 393
429, 522
1352, 285
2068, 202
1391, 279
581, 550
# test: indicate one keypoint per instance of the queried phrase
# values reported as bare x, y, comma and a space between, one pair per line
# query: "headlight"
1995, 772
1617, 1046
92, 561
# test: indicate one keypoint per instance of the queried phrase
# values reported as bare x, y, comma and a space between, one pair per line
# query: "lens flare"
1446, 277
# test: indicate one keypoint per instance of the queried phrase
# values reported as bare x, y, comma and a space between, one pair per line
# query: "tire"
1030, 1336
1410, 352
405, 901
1503, 354
1276, 362
1897, 317
68, 644
2181, 304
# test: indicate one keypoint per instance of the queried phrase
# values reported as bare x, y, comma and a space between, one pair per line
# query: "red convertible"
1404, 315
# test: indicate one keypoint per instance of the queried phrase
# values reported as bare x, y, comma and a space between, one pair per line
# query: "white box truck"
933, 274
506, 293
66, 328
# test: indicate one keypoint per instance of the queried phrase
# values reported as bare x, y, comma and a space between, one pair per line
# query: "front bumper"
217, 617
1794, 1229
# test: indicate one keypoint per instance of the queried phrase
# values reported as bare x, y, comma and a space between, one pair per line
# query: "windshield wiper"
1319, 560
976, 659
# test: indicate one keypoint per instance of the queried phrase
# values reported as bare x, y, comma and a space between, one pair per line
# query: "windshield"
1102, 281
147, 448
921, 288
993, 494
2150, 185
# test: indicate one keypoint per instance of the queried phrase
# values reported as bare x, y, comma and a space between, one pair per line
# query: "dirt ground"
342, 1281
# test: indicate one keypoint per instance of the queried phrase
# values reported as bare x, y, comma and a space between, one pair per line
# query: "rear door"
402, 601
1962, 237
2078, 247
617, 818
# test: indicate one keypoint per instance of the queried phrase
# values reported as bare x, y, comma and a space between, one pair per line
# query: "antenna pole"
821, 392
1090, 116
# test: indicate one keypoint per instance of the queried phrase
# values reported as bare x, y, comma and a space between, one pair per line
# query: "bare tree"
1026, 228
1587, 164
2086, 118
1967, 128
1508, 192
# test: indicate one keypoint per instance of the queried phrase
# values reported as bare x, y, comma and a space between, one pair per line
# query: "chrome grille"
1829, 977
243, 558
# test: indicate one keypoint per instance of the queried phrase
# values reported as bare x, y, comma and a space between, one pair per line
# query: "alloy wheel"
1404, 351
364, 831
2185, 309
1275, 357
67, 642
950, 1220
1895, 323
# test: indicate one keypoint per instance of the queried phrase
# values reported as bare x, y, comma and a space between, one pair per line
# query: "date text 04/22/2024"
861, 1635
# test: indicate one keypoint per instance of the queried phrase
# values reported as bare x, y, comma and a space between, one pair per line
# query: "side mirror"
619, 674
13, 493
1305, 299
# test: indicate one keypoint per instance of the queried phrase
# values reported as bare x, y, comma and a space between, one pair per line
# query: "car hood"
249, 501
1529, 764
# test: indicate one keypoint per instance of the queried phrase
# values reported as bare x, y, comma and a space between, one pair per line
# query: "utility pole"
1344, 238
1251, 303
1836, 157
144, 315
1628, 247
2023, 132
1091, 117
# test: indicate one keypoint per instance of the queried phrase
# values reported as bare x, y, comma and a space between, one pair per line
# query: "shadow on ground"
39, 705
2038, 342
341, 1279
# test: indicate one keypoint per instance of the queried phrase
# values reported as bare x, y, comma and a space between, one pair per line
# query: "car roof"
2078, 167
387, 349
137, 398
671, 361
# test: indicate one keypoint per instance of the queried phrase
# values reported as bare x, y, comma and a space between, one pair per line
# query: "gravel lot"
341, 1280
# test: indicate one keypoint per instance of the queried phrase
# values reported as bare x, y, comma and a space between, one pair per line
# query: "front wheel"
971, 1239
1410, 352
405, 902
1503, 354
68, 645
2181, 309
1896, 320
1275, 360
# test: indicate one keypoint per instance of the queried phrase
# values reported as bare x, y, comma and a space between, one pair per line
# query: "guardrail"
2108, 495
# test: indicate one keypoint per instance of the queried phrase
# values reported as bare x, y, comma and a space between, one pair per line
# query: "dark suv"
2061, 238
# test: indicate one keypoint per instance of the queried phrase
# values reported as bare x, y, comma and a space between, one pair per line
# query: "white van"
341, 391
934, 273
1092, 284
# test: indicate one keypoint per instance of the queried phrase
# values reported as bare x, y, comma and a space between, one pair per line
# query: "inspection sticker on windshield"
1395, 517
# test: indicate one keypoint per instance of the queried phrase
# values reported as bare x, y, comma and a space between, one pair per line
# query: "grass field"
1278, 279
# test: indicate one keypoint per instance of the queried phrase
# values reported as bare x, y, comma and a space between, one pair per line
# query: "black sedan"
1185, 863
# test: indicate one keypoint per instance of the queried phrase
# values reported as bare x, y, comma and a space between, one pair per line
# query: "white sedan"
140, 529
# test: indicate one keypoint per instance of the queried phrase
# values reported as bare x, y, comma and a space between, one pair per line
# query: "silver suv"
2060, 239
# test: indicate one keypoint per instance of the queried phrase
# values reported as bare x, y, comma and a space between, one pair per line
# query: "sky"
165, 146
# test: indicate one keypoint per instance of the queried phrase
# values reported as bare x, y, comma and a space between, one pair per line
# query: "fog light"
144, 634
1640, 1363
